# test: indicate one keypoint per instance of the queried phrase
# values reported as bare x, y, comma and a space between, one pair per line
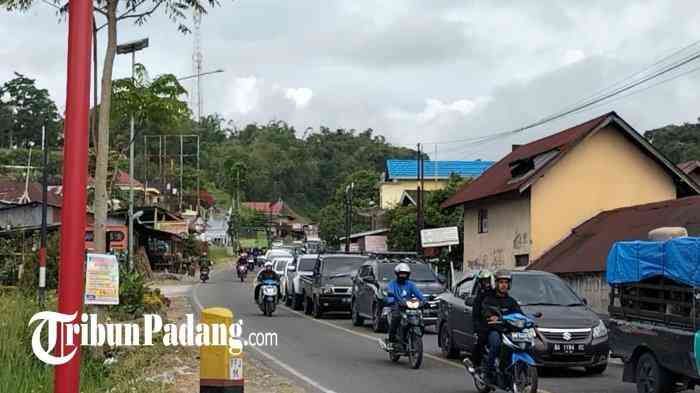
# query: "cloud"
300, 96
434, 108
245, 94
572, 56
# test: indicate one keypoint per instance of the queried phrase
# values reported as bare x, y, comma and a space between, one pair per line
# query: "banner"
101, 279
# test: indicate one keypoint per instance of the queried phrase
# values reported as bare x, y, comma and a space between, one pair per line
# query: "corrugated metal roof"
408, 169
586, 248
498, 179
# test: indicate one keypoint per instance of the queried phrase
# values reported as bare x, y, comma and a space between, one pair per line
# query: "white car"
303, 266
279, 265
271, 254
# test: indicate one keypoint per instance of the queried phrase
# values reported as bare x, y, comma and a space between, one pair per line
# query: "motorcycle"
516, 369
204, 273
242, 271
409, 334
251, 263
268, 297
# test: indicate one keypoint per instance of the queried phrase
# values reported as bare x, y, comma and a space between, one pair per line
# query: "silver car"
303, 265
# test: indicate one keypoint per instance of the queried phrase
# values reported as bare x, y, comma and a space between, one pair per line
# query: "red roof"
265, 207
123, 179
689, 166
12, 191
498, 179
587, 247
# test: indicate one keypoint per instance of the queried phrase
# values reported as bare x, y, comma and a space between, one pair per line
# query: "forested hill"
679, 143
274, 161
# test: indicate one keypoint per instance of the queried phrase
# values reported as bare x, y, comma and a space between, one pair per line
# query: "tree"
24, 109
679, 143
139, 11
402, 220
364, 195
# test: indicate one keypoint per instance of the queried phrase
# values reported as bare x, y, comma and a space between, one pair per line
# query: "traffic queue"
510, 323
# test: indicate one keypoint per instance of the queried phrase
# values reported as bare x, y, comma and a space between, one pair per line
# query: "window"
522, 260
483, 221
464, 289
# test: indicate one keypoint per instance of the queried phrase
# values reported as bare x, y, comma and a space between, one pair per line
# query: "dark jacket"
267, 275
479, 322
505, 304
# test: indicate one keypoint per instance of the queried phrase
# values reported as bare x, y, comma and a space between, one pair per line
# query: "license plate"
569, 348
521, 336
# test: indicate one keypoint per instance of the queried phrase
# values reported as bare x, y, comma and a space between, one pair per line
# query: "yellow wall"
605, 171
390, 192
508, 234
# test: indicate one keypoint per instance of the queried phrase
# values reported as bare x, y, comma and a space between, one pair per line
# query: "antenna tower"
197, 58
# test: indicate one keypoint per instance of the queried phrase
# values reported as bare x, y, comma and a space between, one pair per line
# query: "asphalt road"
332, 356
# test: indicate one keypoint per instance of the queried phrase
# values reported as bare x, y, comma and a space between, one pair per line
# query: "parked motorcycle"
204, 273
409, 334
268, 297
242, 271
516, 370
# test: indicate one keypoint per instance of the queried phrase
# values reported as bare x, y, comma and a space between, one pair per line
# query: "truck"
329, 287
654, 316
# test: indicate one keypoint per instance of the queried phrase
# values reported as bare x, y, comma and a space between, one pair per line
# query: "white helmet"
402, 269
268, 265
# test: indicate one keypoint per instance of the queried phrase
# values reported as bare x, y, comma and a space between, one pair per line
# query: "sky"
412, 70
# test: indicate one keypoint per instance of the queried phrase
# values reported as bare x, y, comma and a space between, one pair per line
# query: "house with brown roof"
530, 200
692, 169
580, 257
284, 220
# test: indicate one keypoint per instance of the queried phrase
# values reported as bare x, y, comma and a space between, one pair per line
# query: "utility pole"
419, 199
348, 214
131, 47
180, 190
42, 249
75, 160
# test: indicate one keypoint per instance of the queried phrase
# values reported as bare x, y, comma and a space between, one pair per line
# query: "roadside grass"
22, 372
218, 255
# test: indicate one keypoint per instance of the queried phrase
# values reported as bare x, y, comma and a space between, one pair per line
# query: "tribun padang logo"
95, 334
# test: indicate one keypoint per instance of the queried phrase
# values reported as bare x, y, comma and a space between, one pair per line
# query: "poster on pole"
101, 279
439, 237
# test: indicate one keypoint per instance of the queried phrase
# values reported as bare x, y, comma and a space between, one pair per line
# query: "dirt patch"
181, 365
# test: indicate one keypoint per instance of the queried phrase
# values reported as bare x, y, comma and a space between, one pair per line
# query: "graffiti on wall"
490, 259
521, 241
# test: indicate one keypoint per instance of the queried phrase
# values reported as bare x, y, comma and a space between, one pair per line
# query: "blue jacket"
398, 292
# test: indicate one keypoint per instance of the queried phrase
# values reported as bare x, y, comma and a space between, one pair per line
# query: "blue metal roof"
408, 169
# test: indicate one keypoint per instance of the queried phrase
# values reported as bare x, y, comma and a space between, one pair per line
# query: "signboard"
101, 279
375, 244
179, 228
439, 237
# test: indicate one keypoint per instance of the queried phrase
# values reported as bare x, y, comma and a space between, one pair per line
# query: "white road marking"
322, 322
271, 357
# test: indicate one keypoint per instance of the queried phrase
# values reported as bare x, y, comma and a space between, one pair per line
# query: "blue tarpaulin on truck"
633, 261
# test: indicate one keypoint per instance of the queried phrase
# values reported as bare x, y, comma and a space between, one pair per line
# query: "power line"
586, 104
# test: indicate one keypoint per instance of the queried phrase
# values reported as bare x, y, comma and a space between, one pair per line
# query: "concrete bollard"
220, 371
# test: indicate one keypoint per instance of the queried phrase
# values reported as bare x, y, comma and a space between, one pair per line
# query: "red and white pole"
75, 155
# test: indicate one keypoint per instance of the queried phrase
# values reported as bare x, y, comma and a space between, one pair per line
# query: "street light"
202, 74
126, 48
348, 214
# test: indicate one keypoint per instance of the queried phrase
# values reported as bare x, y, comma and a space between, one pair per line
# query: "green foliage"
30, 276
678, 143
24, 109
402, 220
131, 291
155, 105
364, 195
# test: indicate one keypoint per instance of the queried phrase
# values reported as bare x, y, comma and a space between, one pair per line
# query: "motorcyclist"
485, 289
242, 260
267, 273
494, 306
398, 291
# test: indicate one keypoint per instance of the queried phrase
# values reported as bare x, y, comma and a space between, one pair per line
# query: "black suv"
329, 287
569, 333
369, 289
